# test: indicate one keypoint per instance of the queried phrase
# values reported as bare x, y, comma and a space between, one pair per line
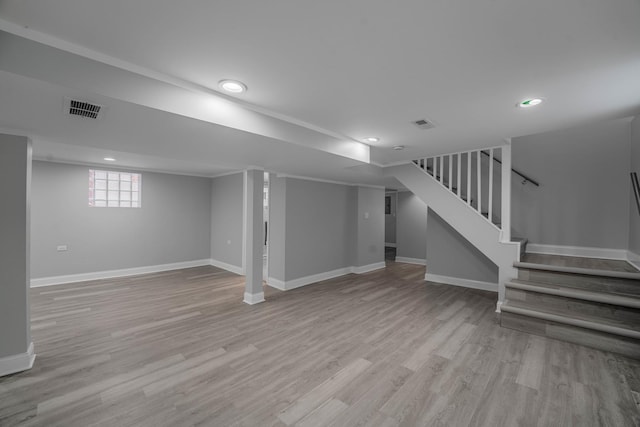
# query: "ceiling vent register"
424, 124
83, 109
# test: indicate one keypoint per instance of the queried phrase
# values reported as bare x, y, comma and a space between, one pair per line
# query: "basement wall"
320, 230
173, 225
583, 198
226, 221
449, 254
634, 214
411, 228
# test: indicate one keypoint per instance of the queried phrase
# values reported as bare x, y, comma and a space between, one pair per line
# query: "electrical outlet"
61, 248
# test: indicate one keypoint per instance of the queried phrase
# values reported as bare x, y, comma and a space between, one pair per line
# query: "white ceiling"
321, 76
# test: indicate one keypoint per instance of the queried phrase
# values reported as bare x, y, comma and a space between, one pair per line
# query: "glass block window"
109, 189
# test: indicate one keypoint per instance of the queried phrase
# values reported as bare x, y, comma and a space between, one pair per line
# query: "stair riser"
535, 300
573, 334
586, 282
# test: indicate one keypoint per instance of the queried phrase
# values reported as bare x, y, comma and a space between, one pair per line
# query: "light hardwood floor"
379, 349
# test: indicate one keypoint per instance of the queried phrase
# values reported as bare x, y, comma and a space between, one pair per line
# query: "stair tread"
579, 270
584, 320
605, 297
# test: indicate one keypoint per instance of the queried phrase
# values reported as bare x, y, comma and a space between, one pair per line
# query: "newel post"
505, 217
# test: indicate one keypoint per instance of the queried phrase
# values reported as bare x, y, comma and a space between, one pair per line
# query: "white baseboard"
411, 260
307, 280
577, 251
252, 299
390, 245
276, 283
82, 277
367, 268
18, 362
229, 267
498, 306
633, 259
465, 283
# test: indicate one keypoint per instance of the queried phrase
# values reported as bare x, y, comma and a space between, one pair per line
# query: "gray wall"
370, 226
317, 228
450, 254
173, 224
277, 226
227, 194
390, 220
583, 198
634, 216
411, 226
15, 174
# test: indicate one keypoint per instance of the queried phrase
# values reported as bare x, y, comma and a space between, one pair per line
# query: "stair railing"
480, 181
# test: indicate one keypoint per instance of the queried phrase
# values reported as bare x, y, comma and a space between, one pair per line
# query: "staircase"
591, 307
472, 193
595, 308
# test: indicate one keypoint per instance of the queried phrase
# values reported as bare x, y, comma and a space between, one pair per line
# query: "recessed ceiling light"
110, 159
371, 139
398, 147
532, 102
232, 86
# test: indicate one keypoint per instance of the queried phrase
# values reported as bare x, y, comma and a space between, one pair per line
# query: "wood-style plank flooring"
379, 349
580, 262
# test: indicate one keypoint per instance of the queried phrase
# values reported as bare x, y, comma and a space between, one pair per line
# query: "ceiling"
321, 76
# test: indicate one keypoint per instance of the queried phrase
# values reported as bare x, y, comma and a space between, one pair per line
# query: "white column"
16, 348
505, 184
253, 235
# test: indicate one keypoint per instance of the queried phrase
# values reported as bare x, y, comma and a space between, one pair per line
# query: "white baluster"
469, 178
491, 185
458, 184
450, 172
479, 170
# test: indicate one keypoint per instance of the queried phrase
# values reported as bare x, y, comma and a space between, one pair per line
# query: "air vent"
424, 124
84, 109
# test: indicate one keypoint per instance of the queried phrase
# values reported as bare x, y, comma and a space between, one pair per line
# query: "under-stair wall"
437, 193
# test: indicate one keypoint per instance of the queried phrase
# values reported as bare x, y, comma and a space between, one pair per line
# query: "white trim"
577, 251
367, 268
244, 221
465, 283
287, 285
220, 175
81, 277
307, 280
117, 168
252, 299
411, 260
633, 259
499, 306
391, 245
229, 267
276, 283
327, 181
17, 362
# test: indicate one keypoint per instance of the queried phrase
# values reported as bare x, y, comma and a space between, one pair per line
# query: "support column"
253, 235
16, 348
